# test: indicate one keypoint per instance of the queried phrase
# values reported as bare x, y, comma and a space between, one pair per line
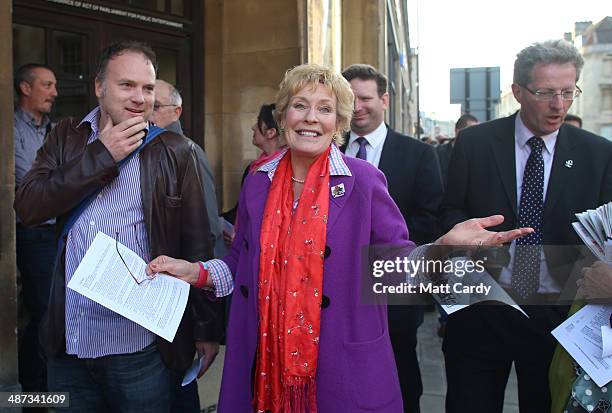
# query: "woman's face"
310, 121
259, 138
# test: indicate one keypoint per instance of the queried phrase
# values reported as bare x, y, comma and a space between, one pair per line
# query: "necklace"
299, 181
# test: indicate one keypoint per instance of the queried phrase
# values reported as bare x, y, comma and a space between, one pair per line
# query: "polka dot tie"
361, 153
526, 273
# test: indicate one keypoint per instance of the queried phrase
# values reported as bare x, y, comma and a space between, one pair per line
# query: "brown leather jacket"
67, 170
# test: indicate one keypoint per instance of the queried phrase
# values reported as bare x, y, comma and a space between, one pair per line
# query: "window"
166, 61
65, 53
607, 66
28, 45
174, 7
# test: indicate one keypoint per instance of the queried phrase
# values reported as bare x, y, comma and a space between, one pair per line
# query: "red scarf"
290, 284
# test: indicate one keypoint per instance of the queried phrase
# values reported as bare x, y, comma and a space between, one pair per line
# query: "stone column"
364, 32
248, 47
8, 287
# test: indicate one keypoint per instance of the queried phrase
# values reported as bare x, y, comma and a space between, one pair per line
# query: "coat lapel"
502, 146
257, 197
386, 156
560, 174
147, 180
337, 203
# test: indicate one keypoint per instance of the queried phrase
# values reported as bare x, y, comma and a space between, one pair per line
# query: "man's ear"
178, 111
516, 91
99, 87
385, 100
25, 87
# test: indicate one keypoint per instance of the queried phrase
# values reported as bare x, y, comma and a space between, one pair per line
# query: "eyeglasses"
157, 106
136, 280
540, 94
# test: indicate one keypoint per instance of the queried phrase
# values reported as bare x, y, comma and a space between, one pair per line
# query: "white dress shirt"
522, 151
376, 140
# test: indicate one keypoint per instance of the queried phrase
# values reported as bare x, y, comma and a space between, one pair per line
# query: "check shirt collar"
93, 118
337, 166
375, 138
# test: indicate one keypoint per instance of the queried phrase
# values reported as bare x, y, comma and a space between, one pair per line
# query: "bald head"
168, 104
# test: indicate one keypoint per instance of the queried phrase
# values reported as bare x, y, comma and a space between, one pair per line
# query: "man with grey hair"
167, 111
536, 172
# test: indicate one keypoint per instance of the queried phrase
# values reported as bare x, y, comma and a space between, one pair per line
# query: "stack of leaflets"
587, 335
594, 227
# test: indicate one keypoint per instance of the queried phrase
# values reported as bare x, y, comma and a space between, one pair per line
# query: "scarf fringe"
299, 395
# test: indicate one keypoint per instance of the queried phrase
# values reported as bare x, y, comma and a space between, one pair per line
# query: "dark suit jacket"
414, 181
444, 153
482, 182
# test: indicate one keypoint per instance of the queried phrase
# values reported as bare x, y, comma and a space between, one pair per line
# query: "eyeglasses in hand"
136, 280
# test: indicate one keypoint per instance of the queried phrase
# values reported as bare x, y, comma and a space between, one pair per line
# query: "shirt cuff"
221, 277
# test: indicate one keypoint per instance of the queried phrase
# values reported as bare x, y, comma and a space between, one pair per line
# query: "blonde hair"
313, 74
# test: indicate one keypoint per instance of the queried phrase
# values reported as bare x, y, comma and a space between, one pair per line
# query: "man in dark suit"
445, 151
415, 184
536, 172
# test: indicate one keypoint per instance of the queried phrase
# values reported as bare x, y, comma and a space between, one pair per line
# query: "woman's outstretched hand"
474, 232
184, 270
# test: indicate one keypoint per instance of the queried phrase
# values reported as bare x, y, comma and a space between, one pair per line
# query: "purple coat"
356, 367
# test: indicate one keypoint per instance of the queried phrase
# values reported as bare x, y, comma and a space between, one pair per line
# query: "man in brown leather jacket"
153, 203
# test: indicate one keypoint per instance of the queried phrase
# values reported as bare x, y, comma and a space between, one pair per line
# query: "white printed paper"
157, 304
594, 227
581, 337
192, 372
606, 338
490, 291
588, 240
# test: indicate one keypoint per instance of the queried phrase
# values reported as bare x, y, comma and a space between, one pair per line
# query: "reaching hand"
473, 232
123, 139
228, 238
209, 350
181, 269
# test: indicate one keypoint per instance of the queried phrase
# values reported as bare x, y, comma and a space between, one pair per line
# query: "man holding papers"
115, 173
537, 172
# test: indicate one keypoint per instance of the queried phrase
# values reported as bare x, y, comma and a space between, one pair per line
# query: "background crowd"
332, 177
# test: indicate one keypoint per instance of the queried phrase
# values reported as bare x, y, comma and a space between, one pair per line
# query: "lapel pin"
337, 190
569, 163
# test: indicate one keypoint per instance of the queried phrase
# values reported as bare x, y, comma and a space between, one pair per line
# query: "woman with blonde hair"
299, 338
